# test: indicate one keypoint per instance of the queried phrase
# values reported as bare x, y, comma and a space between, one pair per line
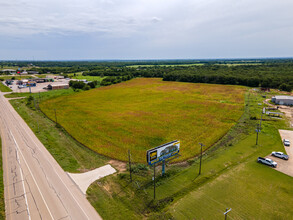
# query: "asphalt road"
35, 186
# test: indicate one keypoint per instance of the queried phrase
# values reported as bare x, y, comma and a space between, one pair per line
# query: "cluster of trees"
115, 79
80, 85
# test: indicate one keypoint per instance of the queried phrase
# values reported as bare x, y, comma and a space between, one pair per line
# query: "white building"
283, 100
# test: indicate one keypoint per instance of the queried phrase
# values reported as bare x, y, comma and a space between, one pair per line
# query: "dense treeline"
123, 63
279, 76
270, 73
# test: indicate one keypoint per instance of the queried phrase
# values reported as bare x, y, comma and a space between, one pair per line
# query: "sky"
145, 29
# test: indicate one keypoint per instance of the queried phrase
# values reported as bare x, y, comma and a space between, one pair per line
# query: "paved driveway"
285, 166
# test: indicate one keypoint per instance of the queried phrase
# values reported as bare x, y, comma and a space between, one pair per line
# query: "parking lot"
285, 166
39, 86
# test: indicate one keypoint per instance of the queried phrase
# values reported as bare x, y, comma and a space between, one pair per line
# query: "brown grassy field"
146, 112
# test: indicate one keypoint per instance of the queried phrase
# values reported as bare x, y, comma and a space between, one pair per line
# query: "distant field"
143, 113
165, 65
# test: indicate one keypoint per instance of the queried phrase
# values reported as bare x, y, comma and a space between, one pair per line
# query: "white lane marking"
17, 158
32, 175
53, 168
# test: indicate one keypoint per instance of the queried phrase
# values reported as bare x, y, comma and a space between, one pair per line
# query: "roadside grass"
4, 88
146, 112
2, 205
71, 156
231, 178
42, 95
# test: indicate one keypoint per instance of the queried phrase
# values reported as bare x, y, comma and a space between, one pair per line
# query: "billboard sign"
163, 152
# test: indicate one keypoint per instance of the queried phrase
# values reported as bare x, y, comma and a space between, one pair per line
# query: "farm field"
145, 112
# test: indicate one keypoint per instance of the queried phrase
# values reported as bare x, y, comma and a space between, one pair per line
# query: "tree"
285, 87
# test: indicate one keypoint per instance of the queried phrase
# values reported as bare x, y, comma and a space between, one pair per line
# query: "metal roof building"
283, 100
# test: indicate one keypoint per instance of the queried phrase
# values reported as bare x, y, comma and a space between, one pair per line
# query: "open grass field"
231, 178
143, 113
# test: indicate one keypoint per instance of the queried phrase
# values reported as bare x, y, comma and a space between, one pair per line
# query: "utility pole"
201, 145
55, 116
129, 165
226, 213
257, 131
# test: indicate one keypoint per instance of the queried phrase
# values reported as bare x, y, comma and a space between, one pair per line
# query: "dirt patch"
288, 111
118, 165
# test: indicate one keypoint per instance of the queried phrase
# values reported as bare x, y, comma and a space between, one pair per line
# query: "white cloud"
160, 26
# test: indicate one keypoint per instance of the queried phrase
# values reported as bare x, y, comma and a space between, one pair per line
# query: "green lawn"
4, 88
143, 113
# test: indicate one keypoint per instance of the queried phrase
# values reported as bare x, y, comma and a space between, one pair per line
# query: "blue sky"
145, 29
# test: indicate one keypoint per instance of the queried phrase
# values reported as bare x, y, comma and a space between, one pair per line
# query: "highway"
35, 186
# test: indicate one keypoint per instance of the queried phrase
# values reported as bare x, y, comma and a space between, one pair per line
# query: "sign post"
163, 167
201, 145
226, 213
154, 181
160, 154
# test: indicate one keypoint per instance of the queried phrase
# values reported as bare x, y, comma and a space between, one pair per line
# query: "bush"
30, 101
137, 168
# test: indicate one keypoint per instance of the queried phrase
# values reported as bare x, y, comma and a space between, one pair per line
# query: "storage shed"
58, 86
283, 100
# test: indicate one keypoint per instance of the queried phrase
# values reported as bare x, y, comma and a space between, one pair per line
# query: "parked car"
267, 161
286, 142
280, 155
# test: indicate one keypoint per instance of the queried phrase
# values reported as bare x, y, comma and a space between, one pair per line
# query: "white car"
286, 142
280, 155
267, 161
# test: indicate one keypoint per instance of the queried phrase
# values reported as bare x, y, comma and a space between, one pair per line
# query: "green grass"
231, 178
17, 77
72, 156
4, 88
42, 95
143, 113
2, 205
88, 78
